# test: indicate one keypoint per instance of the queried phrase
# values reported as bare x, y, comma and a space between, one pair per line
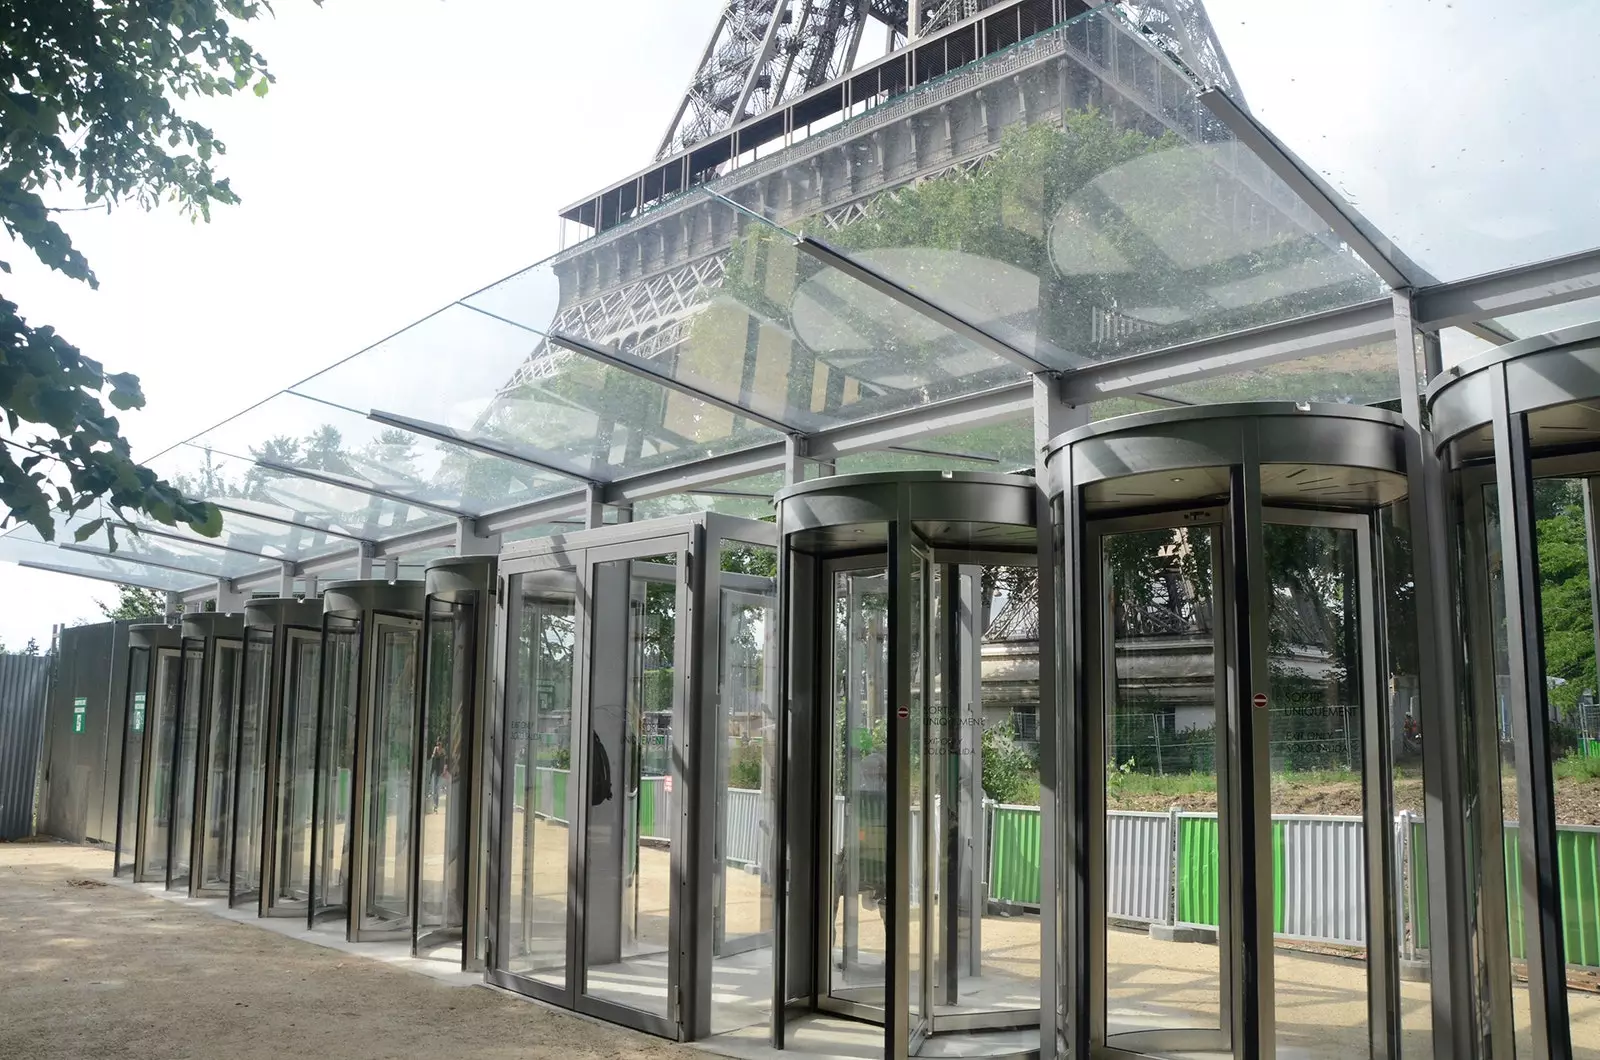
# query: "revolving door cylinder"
1230, 580
213, 666
448, 890
367, 757
285, 636
884, 590
1518, 433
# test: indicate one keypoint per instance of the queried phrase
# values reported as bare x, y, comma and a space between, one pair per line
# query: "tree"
134, 603
32, 647
89, 101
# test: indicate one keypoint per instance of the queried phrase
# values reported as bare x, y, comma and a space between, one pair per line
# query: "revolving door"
447, 888
366, 758
1228, 744
901, 706
631, 871
1518, 432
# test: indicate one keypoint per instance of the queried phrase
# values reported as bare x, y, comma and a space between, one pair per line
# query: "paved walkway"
92, 968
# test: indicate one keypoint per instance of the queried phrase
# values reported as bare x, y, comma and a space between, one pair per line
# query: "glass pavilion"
1279, 351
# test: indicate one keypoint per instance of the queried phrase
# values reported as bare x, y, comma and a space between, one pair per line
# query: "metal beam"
451, 436
921, 304
358, 487
1508, 291
1307, 336
599, 351
1376, 249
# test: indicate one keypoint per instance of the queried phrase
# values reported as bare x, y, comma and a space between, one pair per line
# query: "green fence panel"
1199, 883
1578, 872
647, 808
518, 786
558, 790
1578, 855
1198, 858
1014, 856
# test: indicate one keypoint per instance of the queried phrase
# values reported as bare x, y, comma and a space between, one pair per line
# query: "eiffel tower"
655, 253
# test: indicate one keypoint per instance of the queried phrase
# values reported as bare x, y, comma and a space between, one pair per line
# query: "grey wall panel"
82, 763
24, 685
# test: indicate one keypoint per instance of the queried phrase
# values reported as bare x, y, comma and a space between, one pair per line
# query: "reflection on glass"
445, 734
1161, 732
859, 778
746, 717
188, 748
628, 884
252, 763
541, 687
224, 709
297, 749
1563, 509
162, 724
1497, 764
1398, 596
1315, 689
132, 750
387, 901
341, 664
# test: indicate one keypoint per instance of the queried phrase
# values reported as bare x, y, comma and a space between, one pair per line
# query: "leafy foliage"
89, 101
134, 603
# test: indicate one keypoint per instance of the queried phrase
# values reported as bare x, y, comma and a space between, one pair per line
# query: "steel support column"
1443, 791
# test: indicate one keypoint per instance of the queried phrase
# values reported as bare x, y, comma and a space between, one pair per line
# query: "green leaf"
261, 87
88, 530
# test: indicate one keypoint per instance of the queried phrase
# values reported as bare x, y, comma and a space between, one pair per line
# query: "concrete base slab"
1183, 933
1414, 971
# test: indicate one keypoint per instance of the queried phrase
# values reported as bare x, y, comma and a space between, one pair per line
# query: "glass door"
444, 794
296, 775
335, 761
222, 711
187, 748
250, 770
386, 779
531, 944
161, 721
1162, 793
856, 802
632, 861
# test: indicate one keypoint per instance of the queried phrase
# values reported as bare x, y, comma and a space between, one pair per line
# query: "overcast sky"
414, 150
410, 152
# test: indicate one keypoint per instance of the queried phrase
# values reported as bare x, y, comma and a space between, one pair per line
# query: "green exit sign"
138, 712
80, 713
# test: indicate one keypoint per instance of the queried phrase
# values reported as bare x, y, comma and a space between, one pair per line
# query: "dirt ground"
92, 968
1577, 801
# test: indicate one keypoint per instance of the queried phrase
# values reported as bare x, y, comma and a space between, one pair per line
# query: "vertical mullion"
1536, 828
1383, 971
897, 960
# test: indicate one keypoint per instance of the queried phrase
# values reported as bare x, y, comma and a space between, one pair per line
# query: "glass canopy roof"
848, 282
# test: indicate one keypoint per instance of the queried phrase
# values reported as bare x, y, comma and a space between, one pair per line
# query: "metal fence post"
1172, 865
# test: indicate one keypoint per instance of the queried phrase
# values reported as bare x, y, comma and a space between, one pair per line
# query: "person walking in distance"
435, 775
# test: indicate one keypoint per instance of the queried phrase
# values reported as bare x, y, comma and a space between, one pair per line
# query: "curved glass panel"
251, 767
223, 713
340, 678
188, 748
297, 748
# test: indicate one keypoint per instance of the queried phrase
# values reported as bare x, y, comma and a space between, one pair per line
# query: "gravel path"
91, 968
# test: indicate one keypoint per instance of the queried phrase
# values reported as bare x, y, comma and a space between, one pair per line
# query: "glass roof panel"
251, 533
1129, 221
24, 546
340, 445
185, 555
218, 476
510, 389
759, 325
1551, 318
1464, 131
1363, 375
